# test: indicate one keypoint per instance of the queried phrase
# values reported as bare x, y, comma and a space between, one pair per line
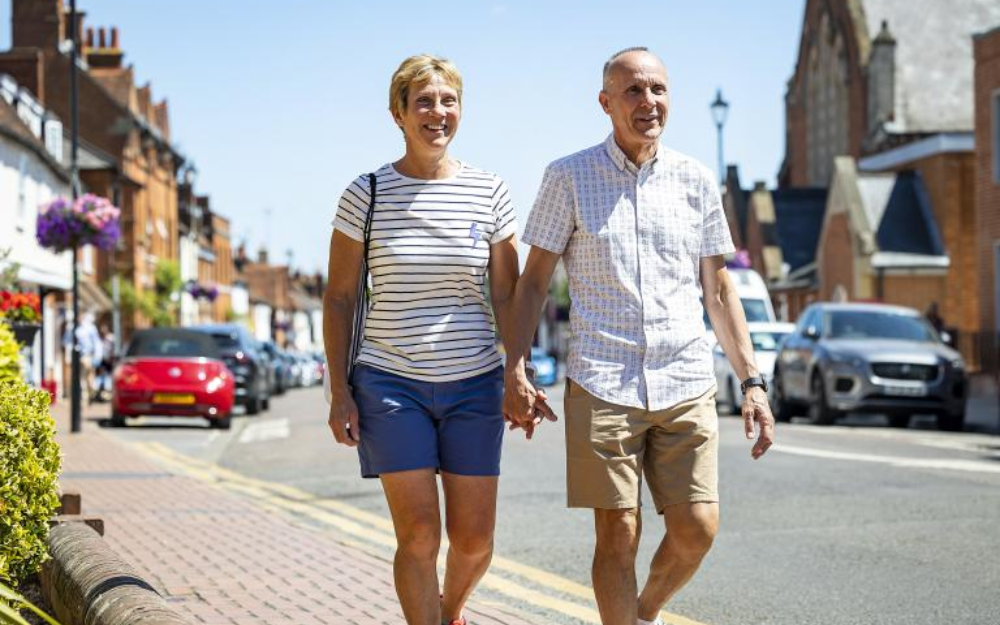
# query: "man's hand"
524, 406
756, 408
344, 419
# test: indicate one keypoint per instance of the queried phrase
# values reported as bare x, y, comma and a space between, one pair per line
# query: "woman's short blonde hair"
417, 71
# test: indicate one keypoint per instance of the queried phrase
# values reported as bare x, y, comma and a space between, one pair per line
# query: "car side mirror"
812, 333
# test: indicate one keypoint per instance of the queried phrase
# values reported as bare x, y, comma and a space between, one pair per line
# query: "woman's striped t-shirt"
430, 245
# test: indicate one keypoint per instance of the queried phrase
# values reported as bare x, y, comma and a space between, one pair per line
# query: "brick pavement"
222, 559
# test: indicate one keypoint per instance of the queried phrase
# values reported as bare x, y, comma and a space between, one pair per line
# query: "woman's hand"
344, 419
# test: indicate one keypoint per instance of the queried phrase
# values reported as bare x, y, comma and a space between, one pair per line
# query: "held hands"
756, 409
524, 405
344, 418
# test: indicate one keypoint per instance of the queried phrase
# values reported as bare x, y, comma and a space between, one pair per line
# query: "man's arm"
725, 311
529, 297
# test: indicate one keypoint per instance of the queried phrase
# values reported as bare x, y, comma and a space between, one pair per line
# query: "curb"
87, 583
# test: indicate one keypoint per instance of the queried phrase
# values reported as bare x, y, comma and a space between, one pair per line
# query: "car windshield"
171, 347
767, 341
227, 342
858, 324
755, 310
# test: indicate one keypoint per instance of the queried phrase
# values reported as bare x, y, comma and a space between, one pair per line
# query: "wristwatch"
755, 381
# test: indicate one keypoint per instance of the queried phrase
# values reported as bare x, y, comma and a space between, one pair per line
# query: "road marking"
377, 530
943, 464
265, 431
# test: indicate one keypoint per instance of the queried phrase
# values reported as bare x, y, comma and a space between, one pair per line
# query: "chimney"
262, 256
105, 56
90, 38
37, 24
881, 77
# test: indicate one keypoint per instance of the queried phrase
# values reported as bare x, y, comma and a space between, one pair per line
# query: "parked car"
281, 373
766, 338
868, 358
545, 367
249, 366
173, 372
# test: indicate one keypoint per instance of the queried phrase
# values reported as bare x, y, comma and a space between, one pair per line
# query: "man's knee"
420, 536
617, 532
691, 531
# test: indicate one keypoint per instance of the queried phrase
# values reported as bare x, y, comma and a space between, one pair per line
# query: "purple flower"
91, 220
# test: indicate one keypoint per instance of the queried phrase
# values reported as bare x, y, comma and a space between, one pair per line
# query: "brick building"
874, 74
126, 154
987, 176
206, 260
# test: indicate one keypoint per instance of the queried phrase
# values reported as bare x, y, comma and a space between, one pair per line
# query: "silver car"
868, 358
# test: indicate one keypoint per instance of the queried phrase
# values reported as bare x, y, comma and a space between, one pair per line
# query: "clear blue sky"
282, 104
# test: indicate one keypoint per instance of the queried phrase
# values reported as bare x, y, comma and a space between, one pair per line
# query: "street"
849, 524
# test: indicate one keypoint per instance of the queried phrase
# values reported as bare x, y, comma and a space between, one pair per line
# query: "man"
642, 234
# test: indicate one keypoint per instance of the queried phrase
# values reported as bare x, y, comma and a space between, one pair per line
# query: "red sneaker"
459, 621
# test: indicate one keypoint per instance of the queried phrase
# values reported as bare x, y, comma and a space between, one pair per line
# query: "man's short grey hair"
614, 57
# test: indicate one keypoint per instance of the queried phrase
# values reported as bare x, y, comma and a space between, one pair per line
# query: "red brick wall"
836, 258
987, 82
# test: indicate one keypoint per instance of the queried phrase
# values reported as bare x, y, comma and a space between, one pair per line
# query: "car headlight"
958, 363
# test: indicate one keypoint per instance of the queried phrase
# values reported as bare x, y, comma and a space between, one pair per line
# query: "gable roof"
934, 62
907, 225
799, 222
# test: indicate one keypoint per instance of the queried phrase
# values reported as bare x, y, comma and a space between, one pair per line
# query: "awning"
93, 298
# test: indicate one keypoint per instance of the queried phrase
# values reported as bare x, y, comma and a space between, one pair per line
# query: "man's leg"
413, 501
470, 513
691, 528
613, 571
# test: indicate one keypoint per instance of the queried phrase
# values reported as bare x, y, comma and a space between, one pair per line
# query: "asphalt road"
848, 524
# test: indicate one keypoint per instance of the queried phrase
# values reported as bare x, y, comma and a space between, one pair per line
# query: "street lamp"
720, 108
75, 396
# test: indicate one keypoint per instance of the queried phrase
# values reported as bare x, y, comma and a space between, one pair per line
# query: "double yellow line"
374, 534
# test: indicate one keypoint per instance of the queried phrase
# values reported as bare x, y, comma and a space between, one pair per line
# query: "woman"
426, 392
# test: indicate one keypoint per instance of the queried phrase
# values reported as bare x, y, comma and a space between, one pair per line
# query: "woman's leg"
470, 512
413, 501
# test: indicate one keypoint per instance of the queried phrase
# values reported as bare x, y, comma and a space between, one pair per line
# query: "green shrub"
29, 467
10, 356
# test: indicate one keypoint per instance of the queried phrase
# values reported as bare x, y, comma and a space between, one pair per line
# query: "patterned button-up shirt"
631, 239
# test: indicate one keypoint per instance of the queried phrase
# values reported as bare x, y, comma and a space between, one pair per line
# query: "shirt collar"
621, 161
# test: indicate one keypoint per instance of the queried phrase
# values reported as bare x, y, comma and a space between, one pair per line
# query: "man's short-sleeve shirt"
632, 239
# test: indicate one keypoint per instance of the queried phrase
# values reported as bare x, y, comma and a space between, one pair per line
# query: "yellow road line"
362, 524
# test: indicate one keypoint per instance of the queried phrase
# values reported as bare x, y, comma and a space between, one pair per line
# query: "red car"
173, 372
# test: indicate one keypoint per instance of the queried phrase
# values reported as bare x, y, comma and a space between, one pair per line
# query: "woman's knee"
471, 541
420, 536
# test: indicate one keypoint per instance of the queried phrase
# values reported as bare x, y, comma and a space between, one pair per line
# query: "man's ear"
602, 97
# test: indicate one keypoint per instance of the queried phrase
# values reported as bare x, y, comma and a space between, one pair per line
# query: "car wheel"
901, 421
266, 403
820, 412
253, 405
221, 423
784, 409
117, 420
949, 422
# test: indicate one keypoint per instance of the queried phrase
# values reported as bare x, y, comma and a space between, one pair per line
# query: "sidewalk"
221, 559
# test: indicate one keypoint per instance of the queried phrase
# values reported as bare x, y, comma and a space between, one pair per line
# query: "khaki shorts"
609, 447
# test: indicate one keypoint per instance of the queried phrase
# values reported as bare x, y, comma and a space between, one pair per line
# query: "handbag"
361, 302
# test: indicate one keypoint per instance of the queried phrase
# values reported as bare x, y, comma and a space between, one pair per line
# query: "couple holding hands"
642, 233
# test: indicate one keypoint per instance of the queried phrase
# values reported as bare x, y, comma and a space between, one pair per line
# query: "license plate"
173, 399
906, 391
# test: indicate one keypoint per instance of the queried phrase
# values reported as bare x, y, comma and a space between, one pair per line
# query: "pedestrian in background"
426, 393
642, 234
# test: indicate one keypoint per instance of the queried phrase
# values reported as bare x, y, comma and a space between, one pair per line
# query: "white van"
753, 293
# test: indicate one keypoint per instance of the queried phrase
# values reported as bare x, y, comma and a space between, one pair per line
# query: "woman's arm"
339, 300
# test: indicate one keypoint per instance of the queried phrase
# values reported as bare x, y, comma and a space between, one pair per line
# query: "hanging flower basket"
22, 312
199, 291
90, 220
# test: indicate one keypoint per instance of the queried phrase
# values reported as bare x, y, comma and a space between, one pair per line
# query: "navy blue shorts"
456, 427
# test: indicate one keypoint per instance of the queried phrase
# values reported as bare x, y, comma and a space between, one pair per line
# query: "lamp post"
720, 109
74, 168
